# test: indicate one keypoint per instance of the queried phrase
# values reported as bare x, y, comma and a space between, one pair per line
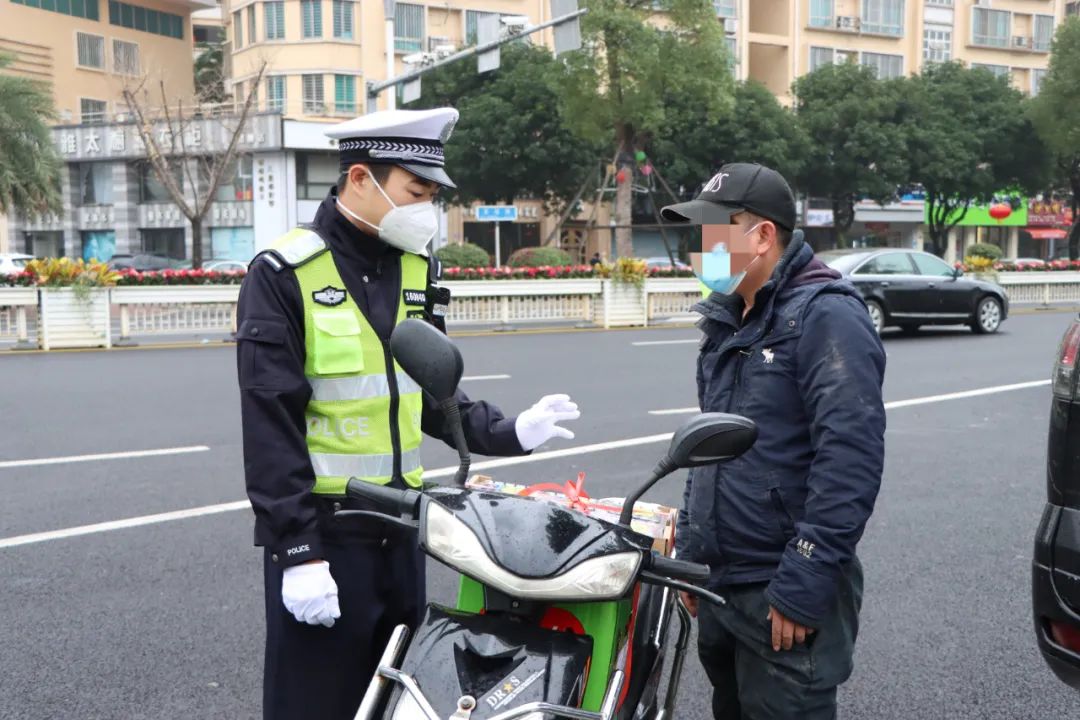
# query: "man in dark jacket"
788, 344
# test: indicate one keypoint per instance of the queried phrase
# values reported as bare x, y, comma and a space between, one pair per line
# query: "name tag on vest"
415, 297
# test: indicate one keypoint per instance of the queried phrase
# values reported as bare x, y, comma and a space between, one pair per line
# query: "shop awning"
1044, 233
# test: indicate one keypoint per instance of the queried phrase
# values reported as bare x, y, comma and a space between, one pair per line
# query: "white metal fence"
176, 310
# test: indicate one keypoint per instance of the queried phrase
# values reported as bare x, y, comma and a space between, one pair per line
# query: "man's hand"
690, 601
785, 632
536, 425
310, 593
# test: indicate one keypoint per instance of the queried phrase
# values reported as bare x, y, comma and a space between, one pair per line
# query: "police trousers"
753, 682
313, 671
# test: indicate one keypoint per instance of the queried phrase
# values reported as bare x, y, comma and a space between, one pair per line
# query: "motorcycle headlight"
602, 578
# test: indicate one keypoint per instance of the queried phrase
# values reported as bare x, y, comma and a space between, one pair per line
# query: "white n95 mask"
406, 227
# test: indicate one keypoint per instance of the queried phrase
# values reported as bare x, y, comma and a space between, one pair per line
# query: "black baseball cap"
738, 187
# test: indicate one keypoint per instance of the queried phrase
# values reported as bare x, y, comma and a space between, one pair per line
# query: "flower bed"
1052, 266
134, 278
569, 272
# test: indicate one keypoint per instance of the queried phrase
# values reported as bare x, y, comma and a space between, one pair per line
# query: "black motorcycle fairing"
499, 662
534, 538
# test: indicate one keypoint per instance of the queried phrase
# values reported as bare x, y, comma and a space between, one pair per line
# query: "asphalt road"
164, 620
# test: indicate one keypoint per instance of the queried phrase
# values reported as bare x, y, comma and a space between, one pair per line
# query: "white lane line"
666, 342
447, 471
467, 378
158, 518
994, 390
103, 456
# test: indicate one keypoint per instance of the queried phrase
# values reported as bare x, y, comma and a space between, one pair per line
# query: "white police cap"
411, 139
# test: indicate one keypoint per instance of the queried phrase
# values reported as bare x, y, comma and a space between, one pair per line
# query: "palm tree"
29, 164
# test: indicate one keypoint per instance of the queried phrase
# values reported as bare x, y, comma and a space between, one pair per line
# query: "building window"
44, 244
137, 17
822, 13
76, 8
1072, 8
91, 50
343, 19
725, 8
207, 35
819, 57
235, 183
275, 93
92, 112
472, 22
1037, 77
1001, 71
163, 242
98, 245
274, 20
316, 173
151, 189
884, 66
940, 3
885, 17
408, 27
733, 58
238, 29
937, 43
990, 27
232, 243
313, 94
95, 183
125, 57
345, 94
1044, 33
251, 22
311, 16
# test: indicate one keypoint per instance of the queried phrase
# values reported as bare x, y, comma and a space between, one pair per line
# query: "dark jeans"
752, 682
317, 672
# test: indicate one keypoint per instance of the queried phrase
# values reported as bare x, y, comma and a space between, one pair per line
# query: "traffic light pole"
373, 89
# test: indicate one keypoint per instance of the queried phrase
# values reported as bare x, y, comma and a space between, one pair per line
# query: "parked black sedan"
1055, 577
909, 289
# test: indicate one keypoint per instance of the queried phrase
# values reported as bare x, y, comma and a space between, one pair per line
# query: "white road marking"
913, 401
103, 456
485, 377
666, 342
158, 518
41, 537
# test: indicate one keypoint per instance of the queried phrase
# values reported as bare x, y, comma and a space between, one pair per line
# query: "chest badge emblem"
329, 295
768, 355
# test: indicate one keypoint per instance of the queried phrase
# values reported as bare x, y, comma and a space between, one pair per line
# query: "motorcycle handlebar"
679, 569
402, 502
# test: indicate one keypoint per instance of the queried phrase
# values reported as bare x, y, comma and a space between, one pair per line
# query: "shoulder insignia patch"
329, 295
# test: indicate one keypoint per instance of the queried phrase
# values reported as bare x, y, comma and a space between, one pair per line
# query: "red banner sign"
1049, 213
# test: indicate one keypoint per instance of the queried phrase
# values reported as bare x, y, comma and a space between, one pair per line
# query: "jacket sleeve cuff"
800, 592
297, 549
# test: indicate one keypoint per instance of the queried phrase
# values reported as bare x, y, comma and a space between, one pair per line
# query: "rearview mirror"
428, 357
957, 272
711, 438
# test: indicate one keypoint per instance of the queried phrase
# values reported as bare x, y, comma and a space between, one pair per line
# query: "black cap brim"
700, 212
429, 172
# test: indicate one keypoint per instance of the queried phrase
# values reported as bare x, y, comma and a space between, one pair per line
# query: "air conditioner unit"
1021, 41
847, 22
435, 41
731, 25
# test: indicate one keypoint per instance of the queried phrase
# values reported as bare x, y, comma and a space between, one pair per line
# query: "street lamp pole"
388, 10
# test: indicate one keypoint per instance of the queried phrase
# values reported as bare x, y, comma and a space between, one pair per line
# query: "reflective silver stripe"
358, 387
298, 249
331, 465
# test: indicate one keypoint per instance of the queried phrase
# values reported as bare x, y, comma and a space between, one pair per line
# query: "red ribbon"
575, 494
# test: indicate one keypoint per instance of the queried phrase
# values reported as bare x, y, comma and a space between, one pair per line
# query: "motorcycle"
559, 614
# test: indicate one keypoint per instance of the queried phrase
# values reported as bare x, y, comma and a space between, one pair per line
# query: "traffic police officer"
322, 401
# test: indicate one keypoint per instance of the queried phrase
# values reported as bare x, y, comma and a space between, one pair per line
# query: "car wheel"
877, 315
987, 318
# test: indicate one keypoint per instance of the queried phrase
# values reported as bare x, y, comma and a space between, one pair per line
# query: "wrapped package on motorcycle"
500, 663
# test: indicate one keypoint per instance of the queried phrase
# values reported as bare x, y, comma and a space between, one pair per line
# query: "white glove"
310, 593
536, 425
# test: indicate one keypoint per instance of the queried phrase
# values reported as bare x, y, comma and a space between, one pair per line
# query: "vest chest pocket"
338, 349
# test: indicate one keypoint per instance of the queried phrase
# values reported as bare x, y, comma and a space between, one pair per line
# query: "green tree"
511, 140
210, 76
629, 66
855, 150
29, 164
758, 129
1054, 113
967, 138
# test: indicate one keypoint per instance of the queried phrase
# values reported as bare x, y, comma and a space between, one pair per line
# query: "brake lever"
709, 595
404, 523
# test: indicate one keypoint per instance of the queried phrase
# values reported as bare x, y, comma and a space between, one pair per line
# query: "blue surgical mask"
716, 268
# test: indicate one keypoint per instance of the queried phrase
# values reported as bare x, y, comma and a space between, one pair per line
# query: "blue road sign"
496, 213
